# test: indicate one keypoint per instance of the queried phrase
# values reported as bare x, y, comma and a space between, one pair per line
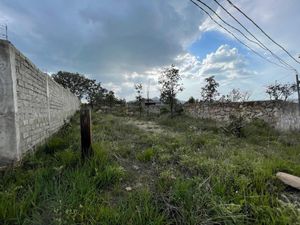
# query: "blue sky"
124, 42
210, 41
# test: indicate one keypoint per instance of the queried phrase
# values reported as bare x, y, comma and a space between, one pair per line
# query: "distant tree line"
87, 89
170, 86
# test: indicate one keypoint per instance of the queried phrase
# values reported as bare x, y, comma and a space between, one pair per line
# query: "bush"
235, 126
179, 109
164, 110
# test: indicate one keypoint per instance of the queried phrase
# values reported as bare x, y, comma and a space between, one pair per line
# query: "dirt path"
148, 126
142, 174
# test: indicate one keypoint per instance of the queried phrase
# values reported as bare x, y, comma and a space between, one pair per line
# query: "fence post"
86, 133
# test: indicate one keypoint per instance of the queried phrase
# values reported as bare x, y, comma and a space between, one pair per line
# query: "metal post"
86, 133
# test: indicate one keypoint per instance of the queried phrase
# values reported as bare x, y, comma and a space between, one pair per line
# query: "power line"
232, 34
290, 67
259, 43
228, 23
244, 14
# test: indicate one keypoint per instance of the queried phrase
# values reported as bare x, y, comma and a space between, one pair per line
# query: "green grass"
192, 173
146, 155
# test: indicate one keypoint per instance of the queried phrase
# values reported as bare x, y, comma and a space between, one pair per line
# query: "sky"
120, 43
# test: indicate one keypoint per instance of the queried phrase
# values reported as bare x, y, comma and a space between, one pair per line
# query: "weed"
68, 157
146, 155
55, 144
109, 176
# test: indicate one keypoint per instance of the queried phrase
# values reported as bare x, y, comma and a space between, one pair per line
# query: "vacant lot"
156, 171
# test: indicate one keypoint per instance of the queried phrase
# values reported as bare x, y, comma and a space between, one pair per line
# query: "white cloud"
225, 63
114, 87
189, 65
277, 18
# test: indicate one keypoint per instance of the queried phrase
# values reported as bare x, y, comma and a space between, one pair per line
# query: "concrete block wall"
32, 105
279, 114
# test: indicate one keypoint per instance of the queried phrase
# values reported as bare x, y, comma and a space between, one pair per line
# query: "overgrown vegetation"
191, 172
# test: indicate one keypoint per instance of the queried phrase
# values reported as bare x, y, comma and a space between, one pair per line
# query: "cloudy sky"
120, 43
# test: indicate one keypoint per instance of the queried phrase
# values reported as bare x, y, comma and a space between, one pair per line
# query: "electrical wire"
232, 34
259, 43
268, 36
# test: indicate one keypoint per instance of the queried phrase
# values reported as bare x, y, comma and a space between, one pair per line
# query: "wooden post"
86, 133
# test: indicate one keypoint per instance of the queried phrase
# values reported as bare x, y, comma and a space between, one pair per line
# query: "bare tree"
280, 91
287, 90
236, 95
139, 97
209, 91
170, 86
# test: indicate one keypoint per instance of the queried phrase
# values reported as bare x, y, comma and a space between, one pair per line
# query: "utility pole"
298, 89
6, 36
148, 99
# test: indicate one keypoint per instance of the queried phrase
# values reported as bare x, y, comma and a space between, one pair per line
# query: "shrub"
64, 130
235, 126
164, 110
179, 109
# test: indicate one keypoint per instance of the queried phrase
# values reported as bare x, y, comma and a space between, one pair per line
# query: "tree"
110, 98
139, 98
81, 86
280, 91
209, 91
122, 102
76, 82
94, 93
236, 95
191, 100
170, 86
100, 97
